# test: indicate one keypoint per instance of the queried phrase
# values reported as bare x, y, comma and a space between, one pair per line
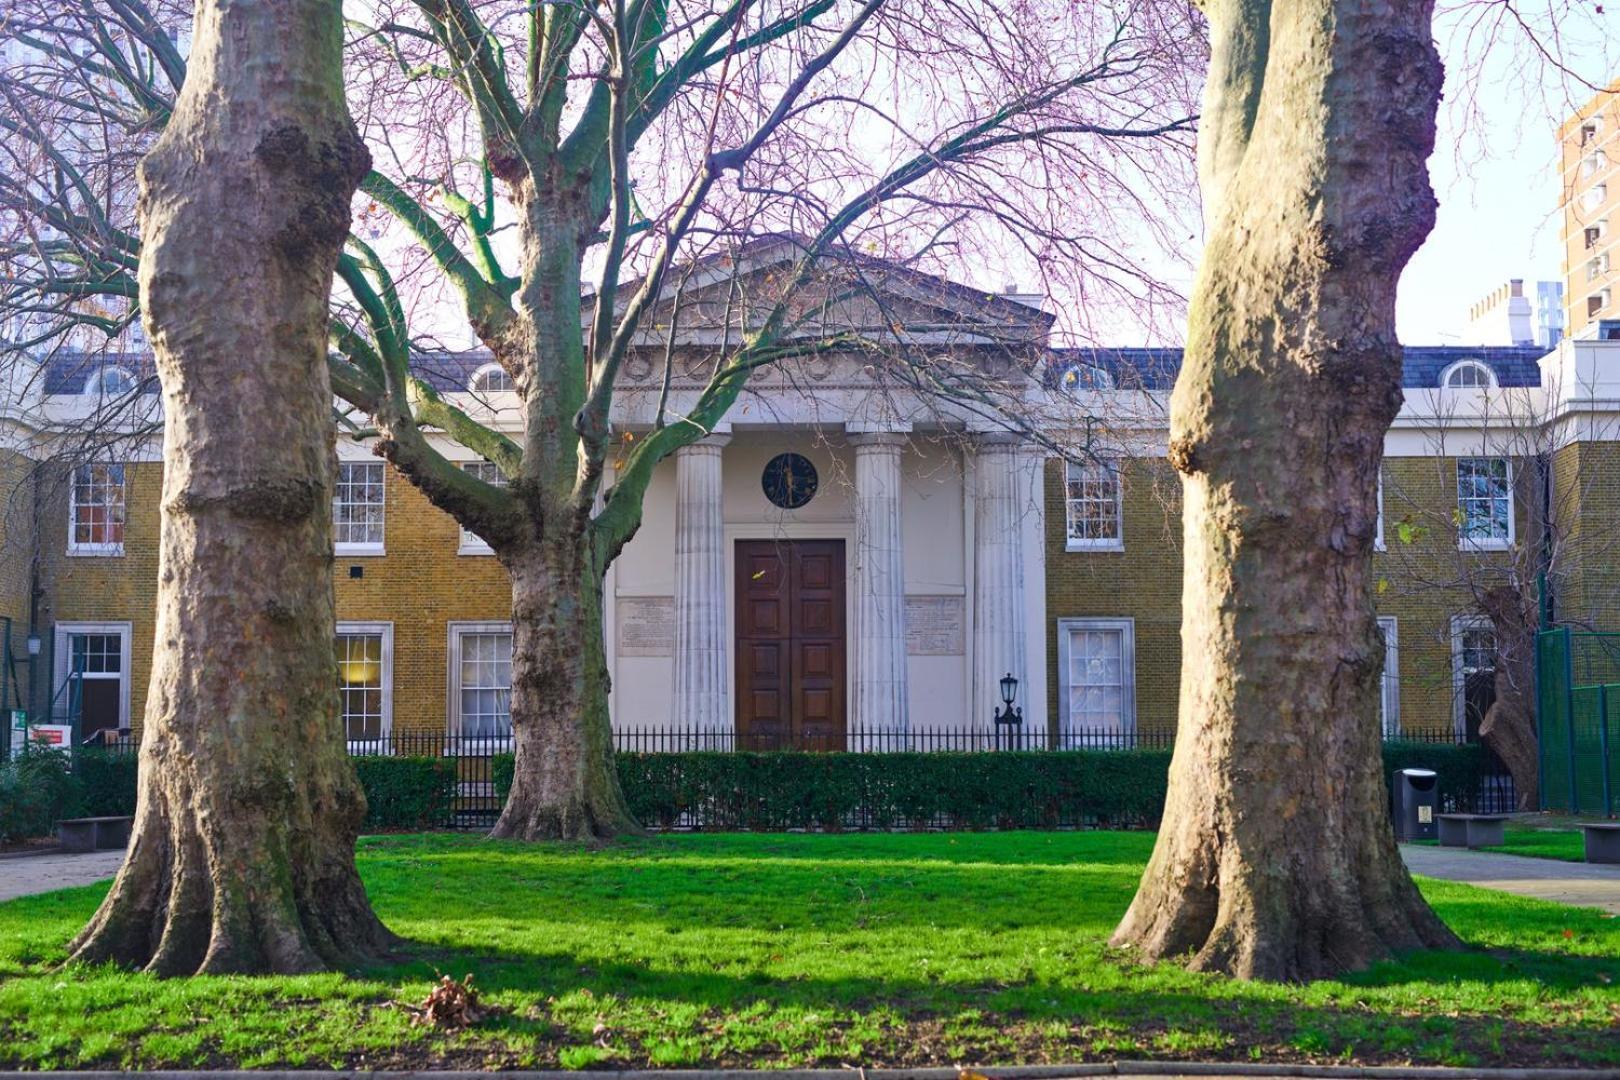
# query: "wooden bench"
1602, 841
94, 833
1472, 830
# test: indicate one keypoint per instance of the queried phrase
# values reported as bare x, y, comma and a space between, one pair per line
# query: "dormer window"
1087, 377
110, 381
491, 379
1468, 375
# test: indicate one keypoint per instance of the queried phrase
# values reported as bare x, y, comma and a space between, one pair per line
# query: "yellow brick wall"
101, 588
420, 585
16, 541
1586, 565
1142, 582
1419, 582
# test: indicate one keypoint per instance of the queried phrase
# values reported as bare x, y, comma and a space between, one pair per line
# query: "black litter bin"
1416, 796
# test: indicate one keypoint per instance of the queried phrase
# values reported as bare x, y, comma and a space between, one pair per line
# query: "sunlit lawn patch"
874, 949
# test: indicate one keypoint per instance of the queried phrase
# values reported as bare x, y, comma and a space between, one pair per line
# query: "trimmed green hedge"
1039, 789
770, 791
106, 782
773, 791
401, 792
407, 792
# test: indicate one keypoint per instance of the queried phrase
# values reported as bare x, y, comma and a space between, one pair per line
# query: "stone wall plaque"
935, 625
646, 625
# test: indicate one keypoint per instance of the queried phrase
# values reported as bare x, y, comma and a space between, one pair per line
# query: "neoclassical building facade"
854, 554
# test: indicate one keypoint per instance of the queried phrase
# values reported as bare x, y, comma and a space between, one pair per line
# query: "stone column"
1000, 614
880, 705
702, 685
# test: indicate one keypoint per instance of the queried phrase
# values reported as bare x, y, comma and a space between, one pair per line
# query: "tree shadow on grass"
1064, 1021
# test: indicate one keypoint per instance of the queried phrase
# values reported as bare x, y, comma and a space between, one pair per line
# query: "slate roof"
1155, 369
67, 372
1130, 368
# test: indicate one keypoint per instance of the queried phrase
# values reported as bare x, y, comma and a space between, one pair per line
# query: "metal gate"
1578, 706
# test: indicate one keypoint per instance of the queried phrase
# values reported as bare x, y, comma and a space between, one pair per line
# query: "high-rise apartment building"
1589, 150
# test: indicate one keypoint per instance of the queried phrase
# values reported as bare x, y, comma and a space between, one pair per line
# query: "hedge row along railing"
1043, 789
790, 790
401, 792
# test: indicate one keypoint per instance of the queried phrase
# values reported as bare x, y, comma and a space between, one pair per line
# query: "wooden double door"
790, 644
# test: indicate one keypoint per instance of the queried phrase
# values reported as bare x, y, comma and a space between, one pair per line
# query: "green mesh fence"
1578, 690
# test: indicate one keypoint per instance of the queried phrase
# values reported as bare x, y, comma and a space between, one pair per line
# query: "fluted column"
702, 688
880, 703
999, 606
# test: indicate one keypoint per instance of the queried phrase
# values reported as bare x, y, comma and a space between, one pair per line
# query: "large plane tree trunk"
242, 858
564, 784
1275, 859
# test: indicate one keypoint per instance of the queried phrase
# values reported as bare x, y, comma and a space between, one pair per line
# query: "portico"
834, 587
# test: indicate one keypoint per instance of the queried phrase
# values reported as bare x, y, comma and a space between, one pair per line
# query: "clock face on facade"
789, 480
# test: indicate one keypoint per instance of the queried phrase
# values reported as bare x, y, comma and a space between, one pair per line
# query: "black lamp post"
1008, 718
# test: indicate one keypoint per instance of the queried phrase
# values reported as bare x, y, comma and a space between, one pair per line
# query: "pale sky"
1498, 219
1495, 168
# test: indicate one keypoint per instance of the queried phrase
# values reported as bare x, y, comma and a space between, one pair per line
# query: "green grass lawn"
823, 950
1544, 843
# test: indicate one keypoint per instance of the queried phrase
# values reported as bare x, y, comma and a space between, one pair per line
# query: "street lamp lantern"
1008, 718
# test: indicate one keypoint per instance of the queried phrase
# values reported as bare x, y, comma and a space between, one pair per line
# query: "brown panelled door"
790, 644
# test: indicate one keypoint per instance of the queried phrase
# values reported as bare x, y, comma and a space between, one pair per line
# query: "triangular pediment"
847, 293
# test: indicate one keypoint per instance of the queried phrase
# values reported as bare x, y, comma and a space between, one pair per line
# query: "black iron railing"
662, 740
477, 803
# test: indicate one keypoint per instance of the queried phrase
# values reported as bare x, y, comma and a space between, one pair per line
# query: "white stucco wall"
936, 525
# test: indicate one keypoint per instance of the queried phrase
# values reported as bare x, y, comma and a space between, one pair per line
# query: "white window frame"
457, 630
1469, 363
1489, 543
1460, 624
1113, 543
369, 547
471, 543
1378, 540
1127, 652
78, 548
385, 630
487, 369
1086, 378
1389, 686
63, 656
97, 382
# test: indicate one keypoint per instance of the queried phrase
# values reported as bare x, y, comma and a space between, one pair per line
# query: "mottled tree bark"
1275, 859
1509, 725
242, 858
564, 784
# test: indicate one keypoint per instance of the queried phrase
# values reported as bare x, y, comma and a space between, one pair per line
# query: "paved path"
1546, 879
42, 873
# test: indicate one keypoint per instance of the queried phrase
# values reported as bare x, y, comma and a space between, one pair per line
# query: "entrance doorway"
92, 670
790, 644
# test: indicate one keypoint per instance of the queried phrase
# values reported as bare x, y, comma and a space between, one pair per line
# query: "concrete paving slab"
1582, 884
43, 873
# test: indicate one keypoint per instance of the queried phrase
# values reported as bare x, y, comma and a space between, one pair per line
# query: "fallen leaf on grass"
449, 1006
